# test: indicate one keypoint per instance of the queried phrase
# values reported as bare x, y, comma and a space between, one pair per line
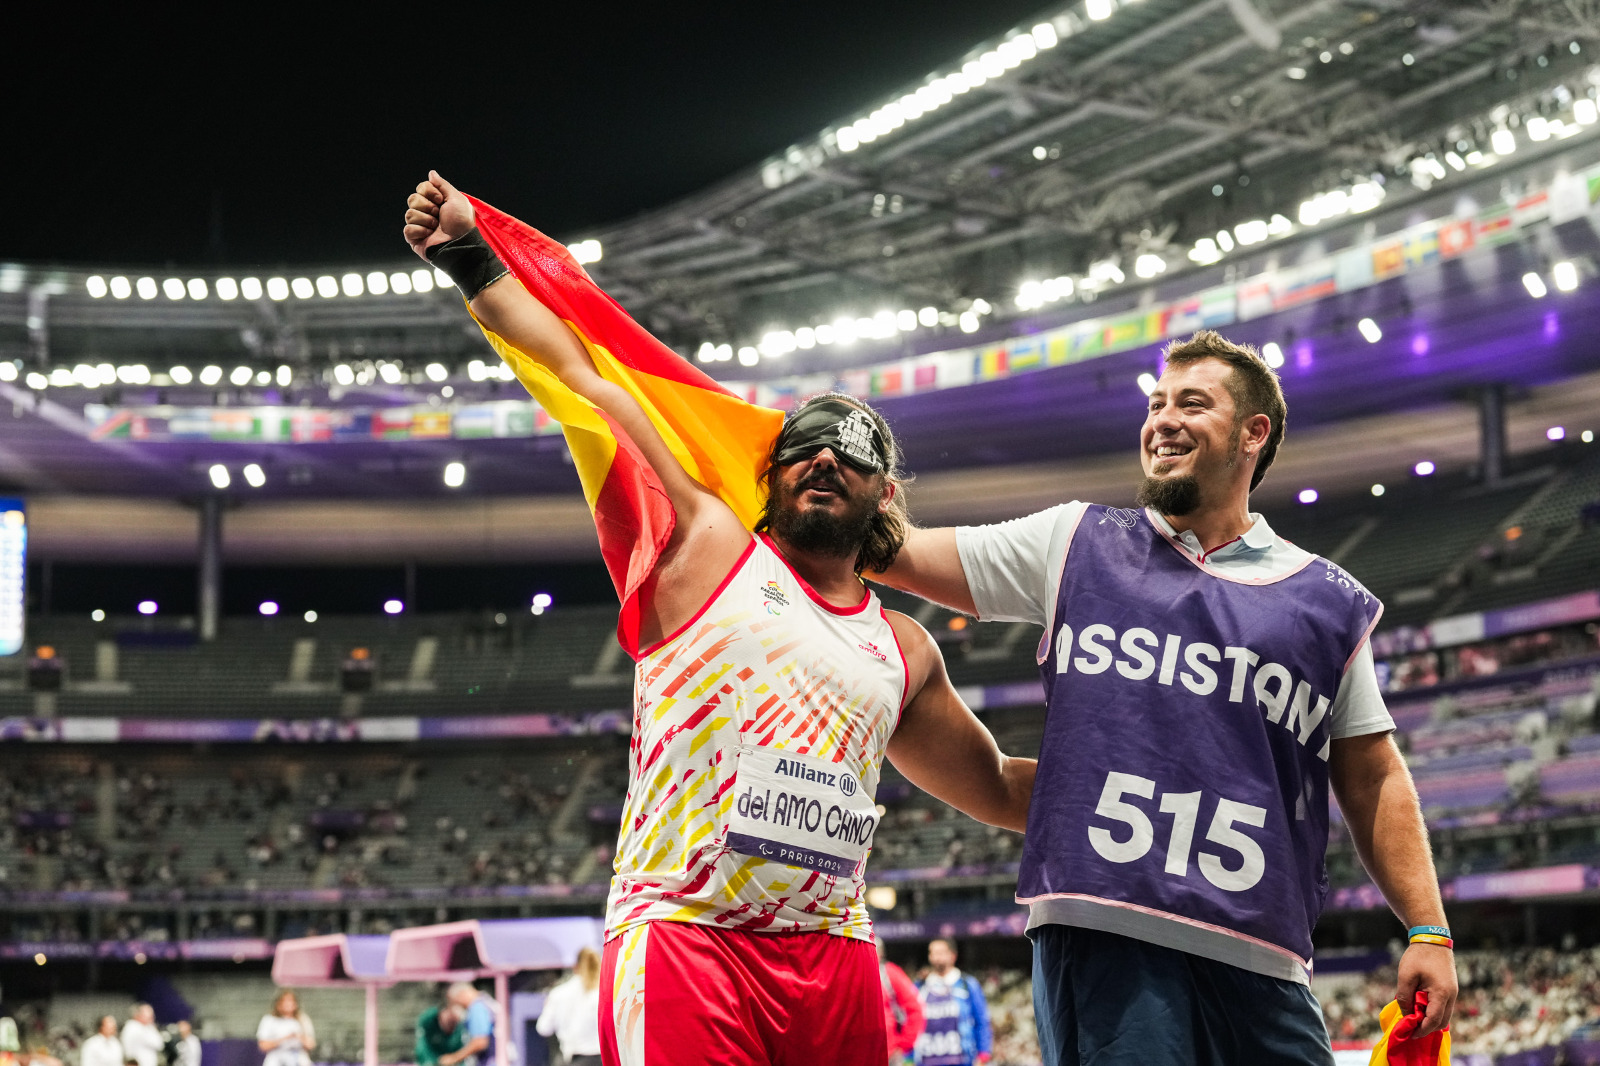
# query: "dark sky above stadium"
259, 134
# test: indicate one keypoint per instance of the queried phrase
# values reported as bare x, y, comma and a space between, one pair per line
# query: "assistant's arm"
929, 565
942, 748
1381, 808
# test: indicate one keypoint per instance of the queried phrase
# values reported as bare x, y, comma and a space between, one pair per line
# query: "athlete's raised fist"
436, 213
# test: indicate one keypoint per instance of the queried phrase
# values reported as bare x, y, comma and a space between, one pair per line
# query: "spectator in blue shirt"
956, 1016
477, 1027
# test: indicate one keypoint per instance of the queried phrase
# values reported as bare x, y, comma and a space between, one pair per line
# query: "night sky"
234, 135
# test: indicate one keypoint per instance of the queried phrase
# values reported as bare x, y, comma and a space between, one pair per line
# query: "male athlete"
1206, 680
770, 686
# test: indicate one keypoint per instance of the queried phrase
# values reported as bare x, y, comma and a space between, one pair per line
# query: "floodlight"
455, 474
219, 476
256, 476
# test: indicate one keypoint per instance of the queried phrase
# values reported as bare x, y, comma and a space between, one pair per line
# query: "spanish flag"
1400, 1048
722, 441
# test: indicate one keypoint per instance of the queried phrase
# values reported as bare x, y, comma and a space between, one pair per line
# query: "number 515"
1185, 810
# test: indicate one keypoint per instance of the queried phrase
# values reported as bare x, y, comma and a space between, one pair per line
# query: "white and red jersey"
770, 676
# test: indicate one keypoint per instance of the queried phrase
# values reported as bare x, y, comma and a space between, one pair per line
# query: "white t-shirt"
289, 1053
189, 1051
142, 1043
100, 1050
1014, 572
572, 1015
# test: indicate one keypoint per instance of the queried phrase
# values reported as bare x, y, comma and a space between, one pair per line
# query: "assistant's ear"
1257, 428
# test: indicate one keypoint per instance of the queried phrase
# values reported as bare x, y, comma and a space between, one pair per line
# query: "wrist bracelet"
1432, 930
1430, 938
469, 261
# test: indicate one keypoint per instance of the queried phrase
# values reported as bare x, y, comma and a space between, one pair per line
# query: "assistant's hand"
1432, 968
436, 213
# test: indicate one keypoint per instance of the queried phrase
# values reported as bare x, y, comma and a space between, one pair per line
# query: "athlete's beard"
816, 530
1176, 496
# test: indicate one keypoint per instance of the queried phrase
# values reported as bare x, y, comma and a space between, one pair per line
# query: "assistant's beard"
1175, 496
818, 531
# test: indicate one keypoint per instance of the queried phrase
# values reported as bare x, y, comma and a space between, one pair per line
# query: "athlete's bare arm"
930, 566
1380, 806
944, 750
709, 537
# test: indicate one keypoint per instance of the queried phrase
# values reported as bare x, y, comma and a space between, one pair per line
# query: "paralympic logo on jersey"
1121, 516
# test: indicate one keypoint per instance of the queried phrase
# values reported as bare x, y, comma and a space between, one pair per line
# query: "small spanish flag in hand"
1399, 1048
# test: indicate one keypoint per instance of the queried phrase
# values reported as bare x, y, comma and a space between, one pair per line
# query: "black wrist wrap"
469, 261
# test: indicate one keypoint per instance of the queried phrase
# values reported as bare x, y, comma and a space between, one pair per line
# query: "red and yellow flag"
1400, 1047
722, 441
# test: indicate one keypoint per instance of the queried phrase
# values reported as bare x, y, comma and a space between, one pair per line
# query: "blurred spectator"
186, 1048
103, 1048
477, 1024
956, 1032
438, 1034
142, 1043
903, 1010
286, 1035
572, 1012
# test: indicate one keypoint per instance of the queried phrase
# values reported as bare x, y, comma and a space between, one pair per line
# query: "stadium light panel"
96, 286
1556, 433
85, 375
436, 371
1378, 490
422, 280
1098, 10
285, 375
455, 474
256, 476
277, 288
197, 289
134, 374
327, 287
1369, 329
846, 139
97, 615
268, 608
180, 375
1424, 468
1503, 141
390, 373
393, 606
826, 334
250, 288
241, 376
707, 352
1455, 160
173, 288
311, 616
145, 607
1272, 353
906, 320
400, 283
1534, 284
121, 288
351, 285
146, 287
37, 381
969, 322
1147, 383
1307, 496
303, 288
343, 375
1584, 111
219, 476
210, 375
1044, 35
1587, 436
1565, 275
805, 338
441, 280
8, 370
749, 356
1538, 128
227, 289
106, 373
1149, 265
60, 377
377, 283
263, 377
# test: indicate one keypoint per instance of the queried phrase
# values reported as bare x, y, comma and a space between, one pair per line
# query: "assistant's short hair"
1253, 385
887, 534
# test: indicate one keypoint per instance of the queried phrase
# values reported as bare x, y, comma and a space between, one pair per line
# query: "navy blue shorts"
1100, 999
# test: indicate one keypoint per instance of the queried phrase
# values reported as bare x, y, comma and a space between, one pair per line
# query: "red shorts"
677, 992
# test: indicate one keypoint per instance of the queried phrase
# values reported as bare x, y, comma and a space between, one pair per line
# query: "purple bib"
1182, 794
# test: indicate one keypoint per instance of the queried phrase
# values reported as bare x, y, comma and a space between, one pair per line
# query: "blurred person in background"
103, 1048
185, 1045
477, 1025
286, 1035
438, 1034
902, 1009
142, 1042
572, 1012
956, 1031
